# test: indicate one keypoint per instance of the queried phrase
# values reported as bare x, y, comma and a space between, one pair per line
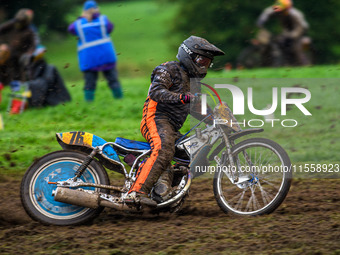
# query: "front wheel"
36, 192
258, 183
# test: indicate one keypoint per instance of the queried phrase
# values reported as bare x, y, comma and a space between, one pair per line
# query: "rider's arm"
7, 26
159, 88
264, 17
300, 25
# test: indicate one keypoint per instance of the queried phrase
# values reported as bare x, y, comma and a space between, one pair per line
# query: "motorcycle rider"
294, 27
165, 110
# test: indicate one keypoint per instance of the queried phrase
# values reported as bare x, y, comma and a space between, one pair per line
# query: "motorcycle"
71, 186
267, 50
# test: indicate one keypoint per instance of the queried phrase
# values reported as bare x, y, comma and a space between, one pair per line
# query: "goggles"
202, 62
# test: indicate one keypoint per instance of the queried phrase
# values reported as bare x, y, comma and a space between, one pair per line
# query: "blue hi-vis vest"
95, 47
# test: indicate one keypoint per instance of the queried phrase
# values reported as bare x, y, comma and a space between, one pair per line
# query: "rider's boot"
140, 198
163, 185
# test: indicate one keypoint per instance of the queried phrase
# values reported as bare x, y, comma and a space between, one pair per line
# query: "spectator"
95, 50
43, 87
16, 39
45, 83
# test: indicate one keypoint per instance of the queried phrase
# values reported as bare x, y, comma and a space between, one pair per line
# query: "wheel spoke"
239, 202
268, 161
266, 197
269, 183
255, 195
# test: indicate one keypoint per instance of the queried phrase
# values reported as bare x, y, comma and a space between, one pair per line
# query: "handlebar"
213, 90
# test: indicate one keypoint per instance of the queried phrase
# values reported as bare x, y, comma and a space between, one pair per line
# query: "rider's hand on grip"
188, 98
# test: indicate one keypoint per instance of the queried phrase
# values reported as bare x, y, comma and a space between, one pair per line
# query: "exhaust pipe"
76, 197
86, 199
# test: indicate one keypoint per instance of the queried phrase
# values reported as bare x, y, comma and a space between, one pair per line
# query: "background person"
16, 39
44, 81
95, 50
293, 29
43, 84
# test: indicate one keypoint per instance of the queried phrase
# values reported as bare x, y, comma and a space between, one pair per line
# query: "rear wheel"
263, 178
36, 193
250, 57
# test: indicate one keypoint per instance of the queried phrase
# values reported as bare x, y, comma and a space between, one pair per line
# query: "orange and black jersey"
168, 82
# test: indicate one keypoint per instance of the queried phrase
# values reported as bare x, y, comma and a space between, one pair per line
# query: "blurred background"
148, 33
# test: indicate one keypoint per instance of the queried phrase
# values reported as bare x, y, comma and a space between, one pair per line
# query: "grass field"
142, 41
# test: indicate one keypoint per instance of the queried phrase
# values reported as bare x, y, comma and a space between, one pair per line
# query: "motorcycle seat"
132, 145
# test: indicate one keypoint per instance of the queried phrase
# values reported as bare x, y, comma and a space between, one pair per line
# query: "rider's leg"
161, 135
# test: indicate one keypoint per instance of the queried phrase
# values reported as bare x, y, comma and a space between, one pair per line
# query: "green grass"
316, 138
141, 38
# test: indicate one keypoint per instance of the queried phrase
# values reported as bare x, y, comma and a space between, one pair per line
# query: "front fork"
234, 163
233, 173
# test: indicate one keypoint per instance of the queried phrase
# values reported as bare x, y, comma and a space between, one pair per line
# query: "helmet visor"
202, 62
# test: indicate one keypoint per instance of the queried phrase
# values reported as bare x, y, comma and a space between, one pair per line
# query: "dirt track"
307, 223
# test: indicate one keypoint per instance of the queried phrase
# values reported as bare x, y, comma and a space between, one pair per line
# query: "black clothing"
46, 85
169, 82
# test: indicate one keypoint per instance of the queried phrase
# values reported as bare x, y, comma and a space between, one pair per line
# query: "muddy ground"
307, 223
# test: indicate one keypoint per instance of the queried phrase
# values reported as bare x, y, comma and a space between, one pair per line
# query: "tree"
231, 24
48, 15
